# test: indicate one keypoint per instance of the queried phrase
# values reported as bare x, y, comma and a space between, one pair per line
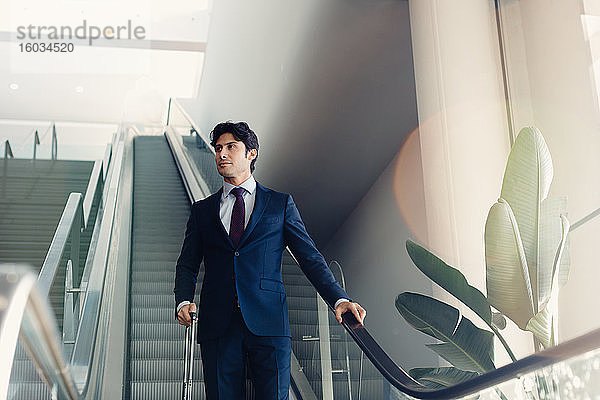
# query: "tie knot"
237, 192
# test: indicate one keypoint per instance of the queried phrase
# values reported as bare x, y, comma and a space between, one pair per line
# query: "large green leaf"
464, 345
450, 279
436, 378
508, 286
526, 183
544, 325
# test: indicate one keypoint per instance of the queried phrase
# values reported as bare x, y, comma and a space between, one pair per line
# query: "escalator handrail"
195, 186
83, 350
173, 102
27, 314
70, 220
75, 215
403, 382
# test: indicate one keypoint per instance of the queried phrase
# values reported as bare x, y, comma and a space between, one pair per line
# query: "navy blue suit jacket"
255, 263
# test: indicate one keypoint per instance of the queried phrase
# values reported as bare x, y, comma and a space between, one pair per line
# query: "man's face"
231, 158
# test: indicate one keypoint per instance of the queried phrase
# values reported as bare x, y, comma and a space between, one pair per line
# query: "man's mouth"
222, 164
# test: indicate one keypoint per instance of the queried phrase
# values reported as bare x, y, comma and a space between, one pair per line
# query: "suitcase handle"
188, 366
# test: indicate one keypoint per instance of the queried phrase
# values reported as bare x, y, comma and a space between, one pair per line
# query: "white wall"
552, 53
464, 135
326, 86
370, 246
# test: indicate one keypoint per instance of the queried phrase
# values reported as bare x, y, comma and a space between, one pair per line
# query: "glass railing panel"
576, 378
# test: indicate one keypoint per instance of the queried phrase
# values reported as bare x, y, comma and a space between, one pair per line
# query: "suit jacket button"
236, 253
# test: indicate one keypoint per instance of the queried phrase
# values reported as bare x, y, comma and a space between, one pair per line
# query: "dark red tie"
236, 229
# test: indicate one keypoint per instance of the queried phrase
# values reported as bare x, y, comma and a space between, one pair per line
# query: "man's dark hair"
240, 131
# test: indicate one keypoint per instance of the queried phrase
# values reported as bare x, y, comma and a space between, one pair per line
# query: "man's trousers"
224, 363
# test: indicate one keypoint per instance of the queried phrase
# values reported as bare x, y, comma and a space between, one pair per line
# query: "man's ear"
253, 154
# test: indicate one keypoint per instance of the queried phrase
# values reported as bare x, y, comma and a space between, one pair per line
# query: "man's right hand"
183, 316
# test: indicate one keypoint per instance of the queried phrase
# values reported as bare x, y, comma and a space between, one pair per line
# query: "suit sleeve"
310, 259
188, 262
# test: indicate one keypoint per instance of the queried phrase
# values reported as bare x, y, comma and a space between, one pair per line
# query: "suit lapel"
217, 214
260, 203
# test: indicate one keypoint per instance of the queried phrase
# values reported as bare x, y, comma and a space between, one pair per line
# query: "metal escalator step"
299, 279
153, 266
24, 370
164, 390
28, 390
157, 246
157, 237
145, 370
160, 214
156, 256
302, 303
163, 349
143, 315
303, 316
152, 300
154, 331
153, 276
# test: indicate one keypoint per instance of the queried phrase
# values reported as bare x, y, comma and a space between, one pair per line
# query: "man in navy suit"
240, 233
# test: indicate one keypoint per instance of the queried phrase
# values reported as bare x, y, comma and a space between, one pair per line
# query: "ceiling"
112, 80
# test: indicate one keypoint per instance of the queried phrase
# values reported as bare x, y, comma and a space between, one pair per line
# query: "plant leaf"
450, 279
526, 183
507, 277
464, 345
436, 378
544, 325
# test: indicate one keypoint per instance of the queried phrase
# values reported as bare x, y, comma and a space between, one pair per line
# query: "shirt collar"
249, 184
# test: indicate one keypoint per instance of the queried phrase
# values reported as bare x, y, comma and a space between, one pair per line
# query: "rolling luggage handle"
188, 366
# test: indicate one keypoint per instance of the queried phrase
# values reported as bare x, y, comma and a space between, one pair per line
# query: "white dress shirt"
226, 209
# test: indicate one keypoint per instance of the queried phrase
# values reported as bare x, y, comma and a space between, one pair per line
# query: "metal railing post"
69, 323
36, 142
346, 349
8, 153
76, 241
325, 347
54, 142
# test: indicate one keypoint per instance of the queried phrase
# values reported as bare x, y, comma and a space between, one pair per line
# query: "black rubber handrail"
406, 384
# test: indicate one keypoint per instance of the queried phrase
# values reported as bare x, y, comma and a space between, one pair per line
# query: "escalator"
161, 208
33, 194
154, 367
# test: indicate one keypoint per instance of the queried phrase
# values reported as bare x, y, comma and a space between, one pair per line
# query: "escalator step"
165, 390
